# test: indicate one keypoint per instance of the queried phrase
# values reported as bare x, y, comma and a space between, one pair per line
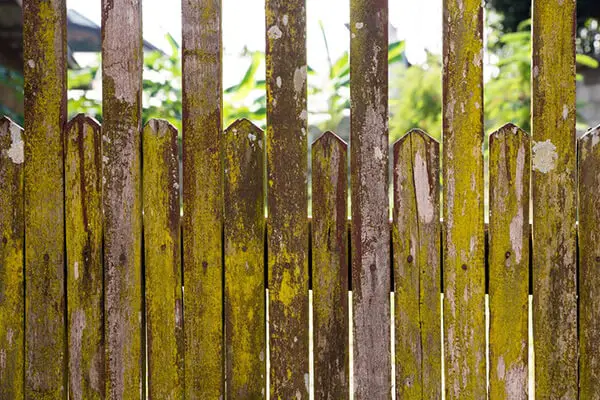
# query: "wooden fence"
95, 255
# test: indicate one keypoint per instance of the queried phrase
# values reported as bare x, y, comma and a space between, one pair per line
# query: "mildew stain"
544, 156
299, 78
274, 32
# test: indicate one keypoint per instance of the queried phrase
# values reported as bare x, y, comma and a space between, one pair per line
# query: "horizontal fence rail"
133, 267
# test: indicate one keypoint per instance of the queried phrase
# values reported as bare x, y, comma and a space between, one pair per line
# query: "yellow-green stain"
162, 258
44, 38
12, 296
245, 333
464, 275
509, 234
83, 205
554, 198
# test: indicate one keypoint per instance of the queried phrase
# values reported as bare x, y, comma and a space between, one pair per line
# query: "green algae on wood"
287, 226
555, 199
330, 266
122, 198
589, 262
244, 224
464, 266
162, 260
44, 63
202, 198
12, 295
371, 269
84, 235
417, 269
508, 259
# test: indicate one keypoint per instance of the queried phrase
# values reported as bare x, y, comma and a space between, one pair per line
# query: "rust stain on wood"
45, 50
121, 137
554, 199
12, 289
371, 273
509, 233
84, 235
162, 259
330, 266
589, 262
245, 332
417, 269
202, 198
287, 228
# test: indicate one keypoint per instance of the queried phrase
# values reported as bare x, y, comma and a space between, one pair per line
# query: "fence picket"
162, 260
287, 226
464, 267
202, 198
244, 221
121, 130
12, 298
371, 273
45, 79
83, 205
330, 266
555, 200
417, 270
589, 260
509, 262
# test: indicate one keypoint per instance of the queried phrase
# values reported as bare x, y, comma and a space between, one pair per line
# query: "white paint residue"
565, 112
544, 156
306, 382
595, 139
279, 82
251, 137
422, 188
274, 32
478, 58
359, 25
304, 115
378, 154
17, 147
285, 19
76, 270
536, 71
299, 78
298, 395
31, 63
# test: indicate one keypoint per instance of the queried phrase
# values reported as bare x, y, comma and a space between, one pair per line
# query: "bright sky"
418, 22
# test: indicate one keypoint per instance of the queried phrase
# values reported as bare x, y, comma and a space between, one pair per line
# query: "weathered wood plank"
12, 290
330, 266
509, 262
44, 41
202, 198
554, 199
244, 221
417, 269
371, 273
589, 261
121, 128
85, 286
464, 267
162, 260
287, 165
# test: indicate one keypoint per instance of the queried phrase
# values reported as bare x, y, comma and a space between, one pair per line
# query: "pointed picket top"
83, 119
592, 134
429, 140
327, 138
160, 127
15, 148
243, 125
508, 128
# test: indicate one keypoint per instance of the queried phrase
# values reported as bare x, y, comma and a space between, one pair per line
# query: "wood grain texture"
330, 266
85, 274
287, 229
202, 198
554, 199
12, 289
121, 130
589, 261
417, 269
245, 330
162, 260
45, 76
371, 273
508, 259
464, 267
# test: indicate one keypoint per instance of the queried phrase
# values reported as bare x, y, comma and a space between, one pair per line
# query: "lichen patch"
16, 152
544, 156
